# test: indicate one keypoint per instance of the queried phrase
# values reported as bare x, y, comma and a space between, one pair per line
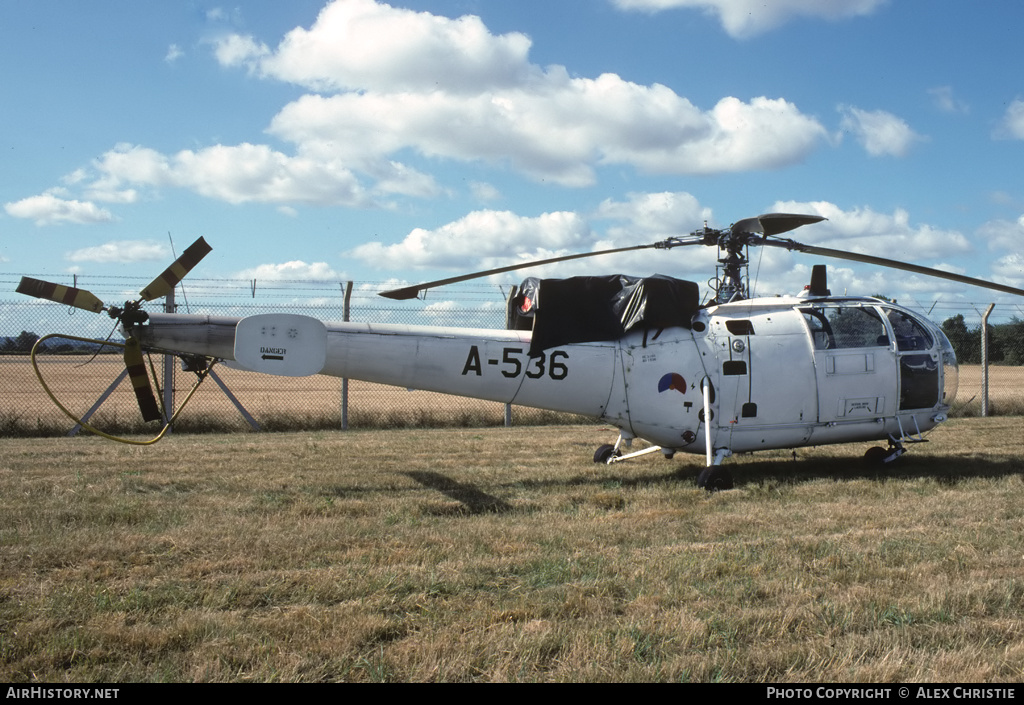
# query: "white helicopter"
732, 376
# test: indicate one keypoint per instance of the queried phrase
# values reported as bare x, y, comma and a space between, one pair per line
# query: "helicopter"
732, 375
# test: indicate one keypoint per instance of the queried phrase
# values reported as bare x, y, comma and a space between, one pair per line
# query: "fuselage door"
854, 361
767, 376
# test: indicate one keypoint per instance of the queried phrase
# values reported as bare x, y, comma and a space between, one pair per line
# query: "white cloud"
1009, 269
489, 239
879, 132
247, 172
121, 251
483, 191
128, 195
1002, 198
360, 44
1012, 124
653, 216
395, 83
482, 240
236, 50
865, 231
48, 209
894, 236
742, 19
236, 174
295, 270
560, 131
449, 88
946, 102
174, 53
1003, 234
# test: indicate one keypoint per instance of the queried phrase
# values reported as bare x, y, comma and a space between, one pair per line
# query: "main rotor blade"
162, 285
136, 367
411, 292
79, 298
769, 224
893, 264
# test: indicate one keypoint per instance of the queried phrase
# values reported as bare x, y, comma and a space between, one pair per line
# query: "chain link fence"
80, 374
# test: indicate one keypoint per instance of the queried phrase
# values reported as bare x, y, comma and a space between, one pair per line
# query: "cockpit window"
834, 327
910, 334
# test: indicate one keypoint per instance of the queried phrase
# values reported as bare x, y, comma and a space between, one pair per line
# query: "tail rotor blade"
78, 298
136, 367
162, 285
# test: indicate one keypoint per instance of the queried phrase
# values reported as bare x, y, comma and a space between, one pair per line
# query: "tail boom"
482, 364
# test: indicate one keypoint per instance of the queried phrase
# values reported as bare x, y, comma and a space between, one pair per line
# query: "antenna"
175, 255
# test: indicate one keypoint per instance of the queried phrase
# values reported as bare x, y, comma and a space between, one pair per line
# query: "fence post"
984, 359
510, 319
169, 307
345, 314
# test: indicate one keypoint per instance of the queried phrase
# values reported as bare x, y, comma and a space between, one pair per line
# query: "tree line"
1005, 341
22, 344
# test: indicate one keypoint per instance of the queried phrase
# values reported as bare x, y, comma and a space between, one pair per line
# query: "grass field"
506, 555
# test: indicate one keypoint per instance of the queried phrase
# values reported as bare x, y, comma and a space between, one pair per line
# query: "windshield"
910, 333
950, 369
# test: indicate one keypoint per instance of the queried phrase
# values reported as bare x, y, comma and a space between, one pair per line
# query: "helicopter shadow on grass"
946, 471
468, 499
750, 471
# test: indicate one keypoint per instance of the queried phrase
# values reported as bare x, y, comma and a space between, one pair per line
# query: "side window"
858, 327
835, 327
821, 331
910, 334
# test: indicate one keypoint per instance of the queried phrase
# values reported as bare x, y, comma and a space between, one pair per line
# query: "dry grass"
506, 555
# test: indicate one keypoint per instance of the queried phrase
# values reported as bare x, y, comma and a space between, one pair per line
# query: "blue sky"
406, 142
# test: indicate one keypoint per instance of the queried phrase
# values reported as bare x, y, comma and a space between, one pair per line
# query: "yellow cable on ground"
202, 376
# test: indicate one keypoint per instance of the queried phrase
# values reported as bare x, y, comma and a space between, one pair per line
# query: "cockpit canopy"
921, 346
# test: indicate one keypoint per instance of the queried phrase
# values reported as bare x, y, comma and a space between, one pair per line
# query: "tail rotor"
128, 316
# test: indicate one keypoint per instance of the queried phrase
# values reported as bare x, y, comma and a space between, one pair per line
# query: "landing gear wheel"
605, 453
875, 455
714, 479
881, 456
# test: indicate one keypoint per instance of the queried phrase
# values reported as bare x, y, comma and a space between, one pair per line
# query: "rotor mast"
731, 280
734, 278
